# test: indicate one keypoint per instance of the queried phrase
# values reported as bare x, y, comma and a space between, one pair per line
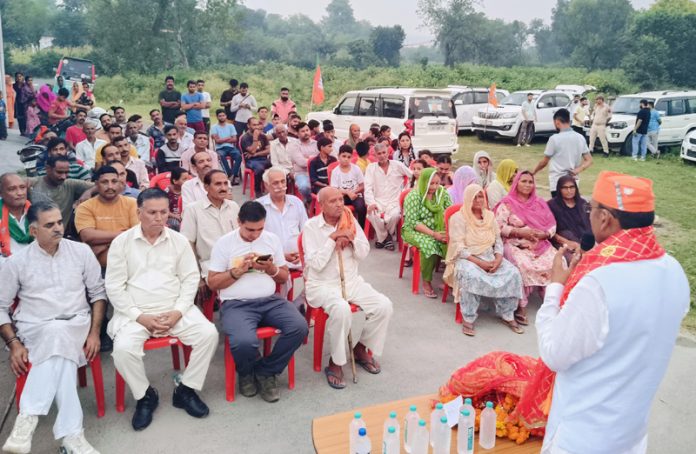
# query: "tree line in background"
652, 47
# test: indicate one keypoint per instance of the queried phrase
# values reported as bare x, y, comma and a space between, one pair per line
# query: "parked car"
504, 120
688, 148
469, 100
580, 90
678, 110
427, 114
76, 70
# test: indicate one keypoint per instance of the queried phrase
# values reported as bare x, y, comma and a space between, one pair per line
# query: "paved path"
9, 160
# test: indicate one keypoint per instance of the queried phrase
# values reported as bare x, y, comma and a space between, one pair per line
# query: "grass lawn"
676, 207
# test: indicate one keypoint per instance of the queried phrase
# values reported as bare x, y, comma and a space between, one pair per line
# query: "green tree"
387, 42
24, 22
361, 54
339, 18
446, 19
648, 62
69, 25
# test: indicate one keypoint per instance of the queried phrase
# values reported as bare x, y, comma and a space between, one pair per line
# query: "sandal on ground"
369, 365
389, 245
408, 263
468, 329
379, 245
513, 326
521, 319
329, 373
432, 294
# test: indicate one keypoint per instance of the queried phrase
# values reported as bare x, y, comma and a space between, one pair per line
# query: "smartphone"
263, 258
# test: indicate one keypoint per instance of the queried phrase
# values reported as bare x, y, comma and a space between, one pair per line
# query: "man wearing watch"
245, 267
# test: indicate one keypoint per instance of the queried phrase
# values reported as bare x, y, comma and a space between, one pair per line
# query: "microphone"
587, 242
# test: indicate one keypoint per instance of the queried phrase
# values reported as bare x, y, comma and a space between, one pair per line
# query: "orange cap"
624, 192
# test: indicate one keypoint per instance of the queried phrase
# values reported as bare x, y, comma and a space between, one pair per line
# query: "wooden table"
330, 433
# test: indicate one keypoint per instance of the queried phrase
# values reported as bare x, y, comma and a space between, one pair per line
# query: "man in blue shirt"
193, 103
654, 129
224, 136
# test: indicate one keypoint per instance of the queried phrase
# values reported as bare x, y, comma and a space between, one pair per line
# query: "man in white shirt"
301, 151
208, 219
384, 181
86, 150
529, 116
194, 189
185, 133
140, 141
245, 267
56, 332
578, 116
200, 86
610, 345
135, 165
334, 232
200, 145
566, 152
244, 106
151, 281
280, 149
14, 224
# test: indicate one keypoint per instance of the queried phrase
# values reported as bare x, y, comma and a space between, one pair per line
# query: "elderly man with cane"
334, 244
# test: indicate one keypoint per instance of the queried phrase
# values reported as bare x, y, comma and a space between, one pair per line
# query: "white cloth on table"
48, 288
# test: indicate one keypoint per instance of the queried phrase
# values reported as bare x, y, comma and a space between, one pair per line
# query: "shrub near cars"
677, 109
504, 120
427, 114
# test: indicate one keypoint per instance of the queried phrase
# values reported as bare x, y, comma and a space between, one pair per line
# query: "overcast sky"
391, 12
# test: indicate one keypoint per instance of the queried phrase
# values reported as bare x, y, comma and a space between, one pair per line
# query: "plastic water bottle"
465, 433
392, 422
487, 430
390, 442
356, 424
420, 439
441, 437
438, 412
410, 425
362, 443
467, 405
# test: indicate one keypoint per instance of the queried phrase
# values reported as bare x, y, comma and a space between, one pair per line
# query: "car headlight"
618, 125
509, 115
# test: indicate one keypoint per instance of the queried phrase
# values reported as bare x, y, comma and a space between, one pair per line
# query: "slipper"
521, 319
431, 294
389, 245
366, 365
468, 330
515, 328
408, 263
329, 373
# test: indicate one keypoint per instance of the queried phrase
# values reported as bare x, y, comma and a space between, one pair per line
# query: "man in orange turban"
607, 327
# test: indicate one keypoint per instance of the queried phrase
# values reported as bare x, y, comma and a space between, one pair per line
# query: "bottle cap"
438, 406
392, 414
465, 412
357, 415
413, 408
362, 432
391, 430
443, 420
489, 404
421, 423
467, 401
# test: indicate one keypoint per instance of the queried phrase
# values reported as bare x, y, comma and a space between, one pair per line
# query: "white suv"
505, 120
469, 100
677, 108
688, 148
427, 114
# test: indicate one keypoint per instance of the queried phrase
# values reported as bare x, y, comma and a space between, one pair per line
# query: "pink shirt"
283, 109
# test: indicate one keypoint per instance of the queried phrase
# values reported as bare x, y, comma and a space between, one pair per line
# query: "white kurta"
383, 189
53, 315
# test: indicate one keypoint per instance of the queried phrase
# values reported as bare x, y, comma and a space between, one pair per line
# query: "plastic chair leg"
309, 311
267, 346
175, 357
82, 376
291, 373
445, 293
458, 319
415, 282
21, 381
319, 330
98, 380
230, 372
187, 354
120, 393
404, 251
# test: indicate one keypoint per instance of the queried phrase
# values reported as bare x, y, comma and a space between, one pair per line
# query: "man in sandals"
384, 181
335, 232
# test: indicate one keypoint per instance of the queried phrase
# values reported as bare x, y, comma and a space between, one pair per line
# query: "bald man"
323, 238
14, 226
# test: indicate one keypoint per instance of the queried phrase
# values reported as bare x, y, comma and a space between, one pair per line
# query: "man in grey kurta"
57, 326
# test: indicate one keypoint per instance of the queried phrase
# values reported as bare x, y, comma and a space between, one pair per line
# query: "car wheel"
480, 135
627, 147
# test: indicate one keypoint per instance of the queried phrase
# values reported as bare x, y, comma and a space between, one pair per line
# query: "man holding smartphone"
245, 266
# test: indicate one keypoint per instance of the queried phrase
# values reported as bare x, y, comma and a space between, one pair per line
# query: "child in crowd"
33, 119
427, 156
319, 166
348, 178
417, 167
179, 176
362, 149
3, 118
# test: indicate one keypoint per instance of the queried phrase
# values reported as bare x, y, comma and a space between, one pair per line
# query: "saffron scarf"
625, 246
9, 228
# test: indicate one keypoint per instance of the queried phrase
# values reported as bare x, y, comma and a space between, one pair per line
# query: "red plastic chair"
161, 180
208, 308
448, 213
415, 255
400, 224
153, 343
265, 333
249, 178
97, 377
320, 317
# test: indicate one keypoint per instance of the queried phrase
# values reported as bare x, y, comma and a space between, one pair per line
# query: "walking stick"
350, 333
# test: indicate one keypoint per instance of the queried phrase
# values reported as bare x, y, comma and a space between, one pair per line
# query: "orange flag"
492, 100
318, 87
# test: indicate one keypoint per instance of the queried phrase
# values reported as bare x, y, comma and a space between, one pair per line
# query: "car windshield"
421, 106
629, 105
76, 69
515, 99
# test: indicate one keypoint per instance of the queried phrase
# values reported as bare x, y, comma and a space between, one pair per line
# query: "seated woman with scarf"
475, 264
527, 225
463, 177
571, 214
424, 224
500, 186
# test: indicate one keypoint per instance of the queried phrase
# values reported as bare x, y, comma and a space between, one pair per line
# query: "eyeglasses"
568, 187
